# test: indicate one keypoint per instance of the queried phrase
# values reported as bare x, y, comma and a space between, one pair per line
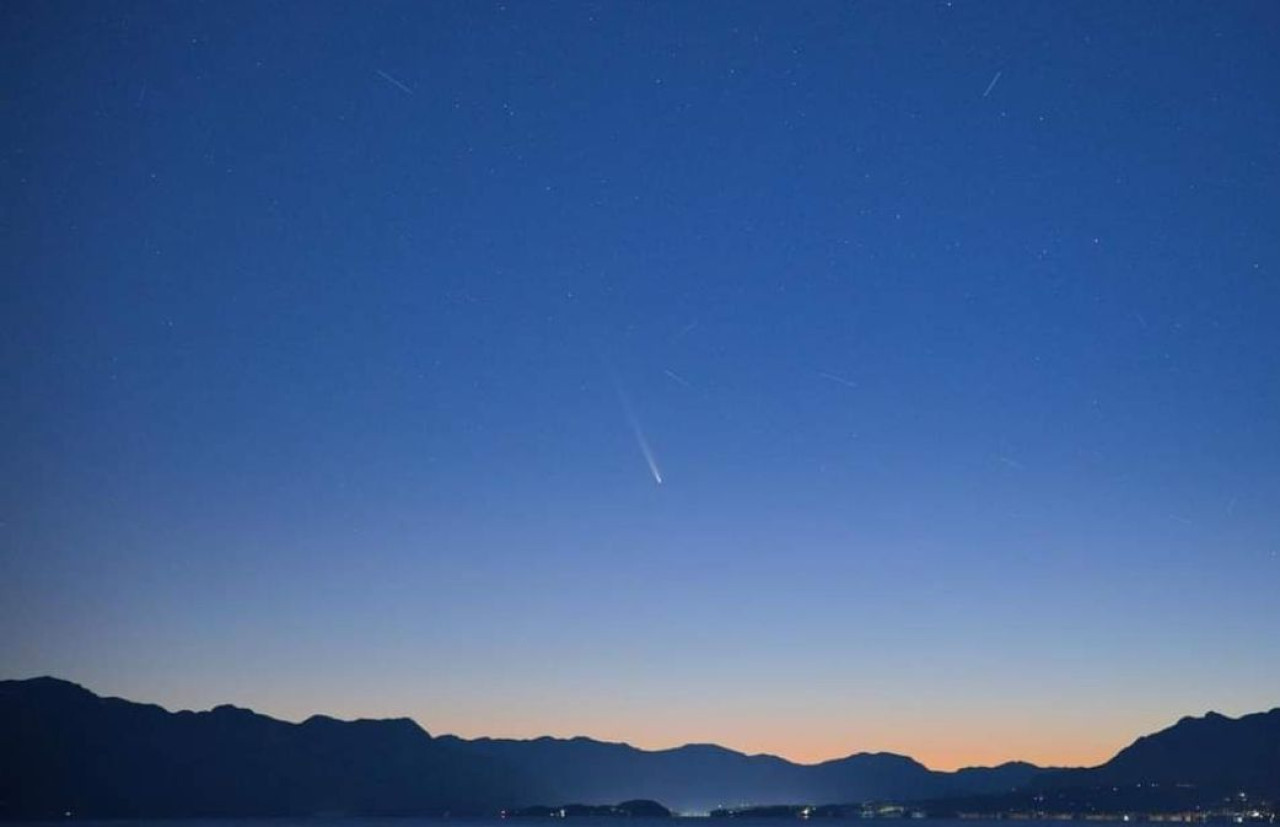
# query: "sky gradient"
335, 336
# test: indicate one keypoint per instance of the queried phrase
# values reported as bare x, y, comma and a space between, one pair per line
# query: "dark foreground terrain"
64, 749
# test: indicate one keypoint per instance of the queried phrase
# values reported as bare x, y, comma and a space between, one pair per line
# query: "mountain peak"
879, 757
46, 683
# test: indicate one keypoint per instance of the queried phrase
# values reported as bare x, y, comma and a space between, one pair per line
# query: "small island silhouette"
637, 808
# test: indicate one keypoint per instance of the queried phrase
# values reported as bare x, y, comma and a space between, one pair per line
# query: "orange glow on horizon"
964, 737
947, 752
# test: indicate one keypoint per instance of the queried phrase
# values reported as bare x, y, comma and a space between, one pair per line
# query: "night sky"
804, 377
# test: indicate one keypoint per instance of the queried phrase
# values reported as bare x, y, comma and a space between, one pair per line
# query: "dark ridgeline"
1198, 763
1215, 752
700, 777
63, 748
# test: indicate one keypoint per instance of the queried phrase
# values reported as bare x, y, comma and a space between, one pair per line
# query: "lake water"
497, 822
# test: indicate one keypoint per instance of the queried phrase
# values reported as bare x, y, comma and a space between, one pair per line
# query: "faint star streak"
394, 82
992, 84
685, 331
848, 383
677, 378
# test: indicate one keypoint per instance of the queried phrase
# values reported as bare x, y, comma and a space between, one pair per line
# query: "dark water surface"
481, 822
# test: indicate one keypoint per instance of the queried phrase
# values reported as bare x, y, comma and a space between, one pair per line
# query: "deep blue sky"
332, 333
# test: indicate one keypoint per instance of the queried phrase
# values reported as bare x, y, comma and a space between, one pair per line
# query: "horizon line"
647, 749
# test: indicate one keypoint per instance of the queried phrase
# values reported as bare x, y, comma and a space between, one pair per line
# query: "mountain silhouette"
1213, 763
63, 748
1215, 754
701, 777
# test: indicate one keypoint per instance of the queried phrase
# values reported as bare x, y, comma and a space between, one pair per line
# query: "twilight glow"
341, 349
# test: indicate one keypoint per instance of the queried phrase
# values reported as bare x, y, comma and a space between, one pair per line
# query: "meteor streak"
394, 82
677, 378
848, 383
992, 84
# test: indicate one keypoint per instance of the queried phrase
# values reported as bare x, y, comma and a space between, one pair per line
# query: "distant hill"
1216, 754
62, 748
701, 777
1210, 763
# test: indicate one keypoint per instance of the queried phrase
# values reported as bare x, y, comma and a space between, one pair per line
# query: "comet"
642, 442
